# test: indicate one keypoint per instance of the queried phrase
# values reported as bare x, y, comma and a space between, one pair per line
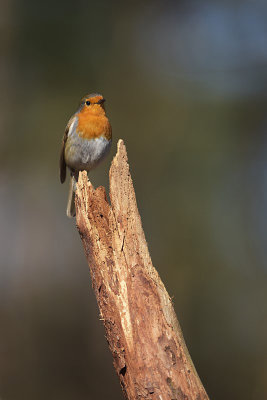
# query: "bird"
86, 142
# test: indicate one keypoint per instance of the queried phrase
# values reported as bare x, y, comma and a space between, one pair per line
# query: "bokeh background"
185, 83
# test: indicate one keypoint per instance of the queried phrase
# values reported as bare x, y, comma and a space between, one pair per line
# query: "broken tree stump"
143, 333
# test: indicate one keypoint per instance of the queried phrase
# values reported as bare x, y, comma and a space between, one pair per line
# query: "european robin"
86, 141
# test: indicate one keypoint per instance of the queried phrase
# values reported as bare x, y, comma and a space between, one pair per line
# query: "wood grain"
144, 336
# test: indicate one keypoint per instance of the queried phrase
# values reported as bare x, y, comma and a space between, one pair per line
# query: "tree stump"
143, 333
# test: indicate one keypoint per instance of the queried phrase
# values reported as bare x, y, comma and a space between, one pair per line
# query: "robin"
86, 141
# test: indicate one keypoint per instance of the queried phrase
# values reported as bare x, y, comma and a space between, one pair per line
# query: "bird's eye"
87, 103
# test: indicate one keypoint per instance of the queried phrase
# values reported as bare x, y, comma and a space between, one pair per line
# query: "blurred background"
186, 88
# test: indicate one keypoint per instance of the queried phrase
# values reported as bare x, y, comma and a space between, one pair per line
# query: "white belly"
82, 154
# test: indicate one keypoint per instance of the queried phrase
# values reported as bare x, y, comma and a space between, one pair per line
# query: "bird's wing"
62, 162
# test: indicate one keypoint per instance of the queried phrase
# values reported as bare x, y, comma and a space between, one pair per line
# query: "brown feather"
62, 162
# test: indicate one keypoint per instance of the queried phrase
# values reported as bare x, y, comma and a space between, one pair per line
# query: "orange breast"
93, 124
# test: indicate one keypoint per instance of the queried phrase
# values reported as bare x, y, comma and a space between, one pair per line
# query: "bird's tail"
71, 211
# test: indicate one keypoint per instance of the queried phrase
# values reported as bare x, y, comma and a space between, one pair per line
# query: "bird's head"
92, 103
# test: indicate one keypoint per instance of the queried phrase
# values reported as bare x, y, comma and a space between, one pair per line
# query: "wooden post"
144, 336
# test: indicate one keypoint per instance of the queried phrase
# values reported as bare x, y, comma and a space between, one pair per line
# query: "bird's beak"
101, 101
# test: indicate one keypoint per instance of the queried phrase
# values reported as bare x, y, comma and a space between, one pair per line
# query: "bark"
143, 333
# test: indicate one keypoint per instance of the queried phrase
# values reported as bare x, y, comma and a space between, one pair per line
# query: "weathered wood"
149, 353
